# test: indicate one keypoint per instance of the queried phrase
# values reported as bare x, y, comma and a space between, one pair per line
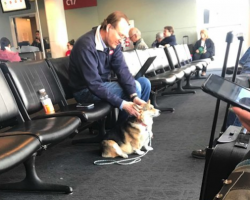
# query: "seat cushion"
178, 73
14, 149
199, 65
50, 130
166, 78
99, 111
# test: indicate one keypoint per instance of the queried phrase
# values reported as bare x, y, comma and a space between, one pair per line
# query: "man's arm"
124, 76
244, 117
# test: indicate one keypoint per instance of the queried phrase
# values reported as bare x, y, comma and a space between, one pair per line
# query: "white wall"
150, 17
225, 16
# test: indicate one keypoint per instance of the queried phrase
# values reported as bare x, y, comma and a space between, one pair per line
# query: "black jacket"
209, 46
171, 40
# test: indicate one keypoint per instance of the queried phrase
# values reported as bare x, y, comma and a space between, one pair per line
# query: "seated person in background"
135, 37
6, 53
169, 37
37, 42
158, 38
204, 48
94, 56
70, 45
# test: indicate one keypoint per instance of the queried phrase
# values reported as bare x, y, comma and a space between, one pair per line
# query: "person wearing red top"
70, 45
5, 53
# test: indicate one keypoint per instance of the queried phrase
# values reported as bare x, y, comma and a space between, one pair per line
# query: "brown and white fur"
132, 135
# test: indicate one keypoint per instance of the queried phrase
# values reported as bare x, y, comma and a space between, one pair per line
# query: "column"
57, 29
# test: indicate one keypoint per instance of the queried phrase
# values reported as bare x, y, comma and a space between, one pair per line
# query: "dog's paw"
148, 148
124, 155
139, 152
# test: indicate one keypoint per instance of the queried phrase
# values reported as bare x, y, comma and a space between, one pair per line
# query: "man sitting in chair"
135, 37
94, 56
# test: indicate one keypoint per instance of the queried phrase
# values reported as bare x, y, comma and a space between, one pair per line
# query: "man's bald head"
134, 34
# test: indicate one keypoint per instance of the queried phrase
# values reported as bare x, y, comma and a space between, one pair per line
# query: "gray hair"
159, 35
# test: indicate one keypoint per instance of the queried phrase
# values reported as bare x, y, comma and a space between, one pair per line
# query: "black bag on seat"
185, 40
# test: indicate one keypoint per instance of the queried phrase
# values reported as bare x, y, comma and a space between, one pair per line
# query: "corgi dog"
132, 135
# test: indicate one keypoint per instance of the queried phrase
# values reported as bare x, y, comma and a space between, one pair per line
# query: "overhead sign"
72, 4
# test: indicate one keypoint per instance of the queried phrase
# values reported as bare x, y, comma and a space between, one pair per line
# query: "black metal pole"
223, 128
209, 150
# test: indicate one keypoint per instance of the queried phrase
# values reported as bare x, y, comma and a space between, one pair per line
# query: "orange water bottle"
46, 101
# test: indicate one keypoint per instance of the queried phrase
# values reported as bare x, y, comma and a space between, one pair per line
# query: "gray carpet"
168, 172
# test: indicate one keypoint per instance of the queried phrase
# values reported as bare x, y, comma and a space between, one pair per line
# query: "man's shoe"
201, 153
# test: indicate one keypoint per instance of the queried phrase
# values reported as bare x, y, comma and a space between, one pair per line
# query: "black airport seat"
183, 61
48, 131
15, 148
28, 78
176, 67
98, 114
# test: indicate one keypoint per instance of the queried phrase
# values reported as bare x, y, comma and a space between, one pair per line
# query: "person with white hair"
158, 38
135, 37
5, 53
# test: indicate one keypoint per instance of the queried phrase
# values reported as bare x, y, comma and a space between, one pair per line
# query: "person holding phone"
37, 41
94, 56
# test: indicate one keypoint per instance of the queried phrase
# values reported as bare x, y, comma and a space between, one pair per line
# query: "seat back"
132, 61
161, 63
29, 49
143, 55
181, 54
172, 57
28, 78
31, 55
8, 107
60, 66
188, 53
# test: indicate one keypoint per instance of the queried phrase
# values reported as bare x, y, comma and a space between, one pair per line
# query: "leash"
127, 161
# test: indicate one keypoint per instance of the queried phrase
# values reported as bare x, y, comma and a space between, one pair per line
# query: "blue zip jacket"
90, 66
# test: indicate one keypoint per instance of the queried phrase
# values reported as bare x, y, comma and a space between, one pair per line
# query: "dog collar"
140, 121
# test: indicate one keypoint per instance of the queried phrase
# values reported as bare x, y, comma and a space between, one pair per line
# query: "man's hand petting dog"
139, 101
133, 108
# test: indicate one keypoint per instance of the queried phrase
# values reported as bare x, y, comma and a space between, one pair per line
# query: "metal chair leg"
33, 183
154, 102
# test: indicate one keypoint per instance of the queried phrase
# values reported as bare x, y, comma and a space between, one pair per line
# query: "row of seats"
27, 136
172, 65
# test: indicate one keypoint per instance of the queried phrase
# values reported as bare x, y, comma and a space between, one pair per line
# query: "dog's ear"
148, 102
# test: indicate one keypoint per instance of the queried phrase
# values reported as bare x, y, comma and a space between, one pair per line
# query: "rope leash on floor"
127, 161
